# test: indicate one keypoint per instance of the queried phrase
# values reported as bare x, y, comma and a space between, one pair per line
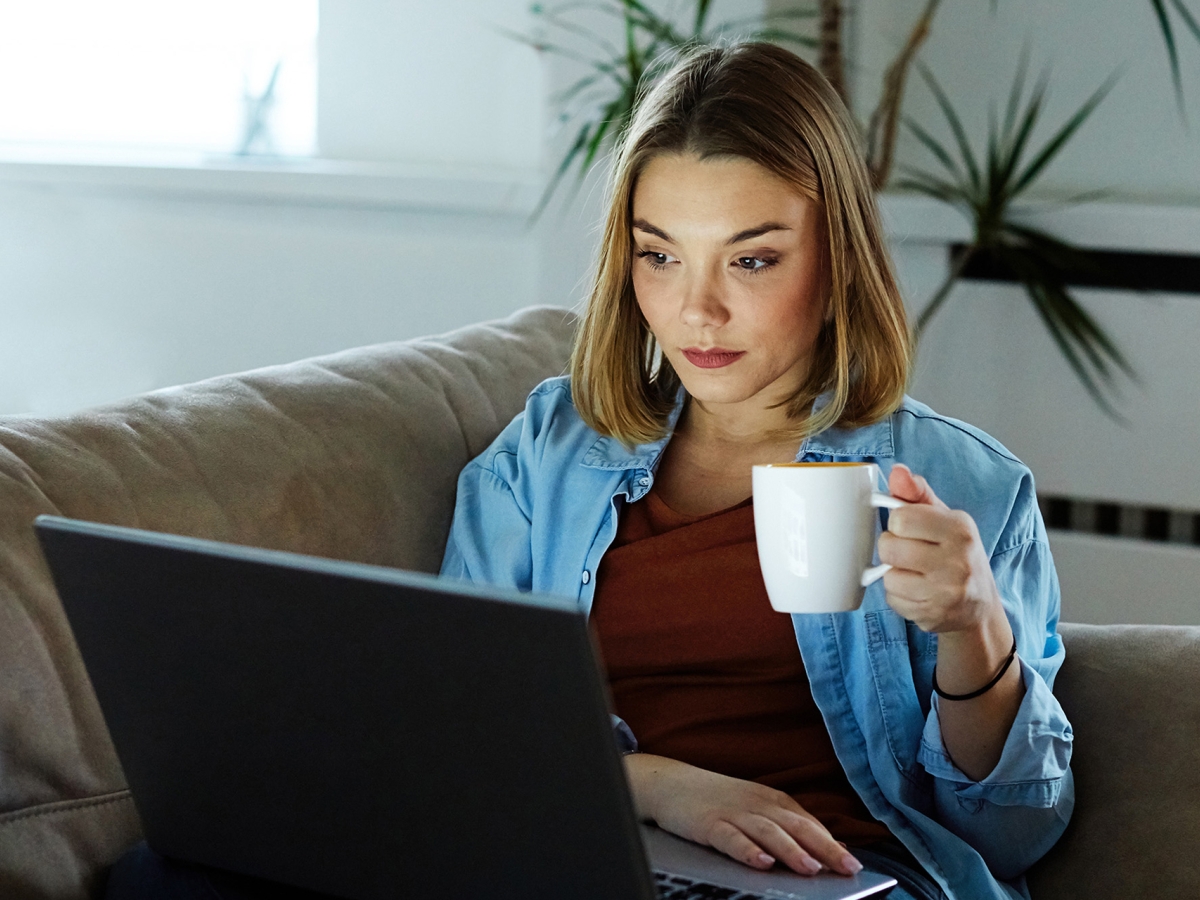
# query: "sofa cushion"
352, 456
1132, 693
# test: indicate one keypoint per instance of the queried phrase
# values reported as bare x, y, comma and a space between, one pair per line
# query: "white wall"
420, 82
107, 293
987, 358
1107, 579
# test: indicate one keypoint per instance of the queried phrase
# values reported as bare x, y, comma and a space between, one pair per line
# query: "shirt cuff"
626, 742
1035, 759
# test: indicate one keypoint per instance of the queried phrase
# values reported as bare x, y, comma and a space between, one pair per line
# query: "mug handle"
886, 501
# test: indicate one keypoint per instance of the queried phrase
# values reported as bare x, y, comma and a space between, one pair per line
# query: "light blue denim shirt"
538, 509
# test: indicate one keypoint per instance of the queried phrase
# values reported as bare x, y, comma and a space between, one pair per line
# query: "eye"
754, 263
654, 259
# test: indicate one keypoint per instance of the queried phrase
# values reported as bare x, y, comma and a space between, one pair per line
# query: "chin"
711, 390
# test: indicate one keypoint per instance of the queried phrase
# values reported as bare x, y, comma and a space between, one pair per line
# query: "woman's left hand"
941, 579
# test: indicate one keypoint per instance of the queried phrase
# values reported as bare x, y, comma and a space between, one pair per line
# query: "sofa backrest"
351, 456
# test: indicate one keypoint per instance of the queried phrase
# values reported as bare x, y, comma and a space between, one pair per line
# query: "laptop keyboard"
677, 887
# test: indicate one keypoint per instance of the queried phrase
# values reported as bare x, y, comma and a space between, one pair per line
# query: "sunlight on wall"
146, 74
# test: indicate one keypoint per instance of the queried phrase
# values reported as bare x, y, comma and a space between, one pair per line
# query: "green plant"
986, 191
1163, 9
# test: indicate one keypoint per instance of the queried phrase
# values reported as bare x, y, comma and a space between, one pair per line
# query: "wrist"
980, 691
644, 771
970, 658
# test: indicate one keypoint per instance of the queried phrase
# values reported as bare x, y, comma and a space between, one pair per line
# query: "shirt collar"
610, 453
873, 441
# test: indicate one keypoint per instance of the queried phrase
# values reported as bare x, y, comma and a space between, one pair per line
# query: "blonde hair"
763, 103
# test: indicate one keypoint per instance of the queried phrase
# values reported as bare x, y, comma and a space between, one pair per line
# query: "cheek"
793, 315
788, 331
649, 297
639, 285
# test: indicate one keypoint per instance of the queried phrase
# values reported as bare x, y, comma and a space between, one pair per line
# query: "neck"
735, 427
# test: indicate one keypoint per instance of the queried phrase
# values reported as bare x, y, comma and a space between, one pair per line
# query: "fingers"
732, 841
798, 842
931, 523
951, 565
904, 485
812, 838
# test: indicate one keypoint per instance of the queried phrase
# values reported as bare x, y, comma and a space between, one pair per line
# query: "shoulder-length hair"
759, 102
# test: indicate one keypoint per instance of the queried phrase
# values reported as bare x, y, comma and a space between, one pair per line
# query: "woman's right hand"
749, 822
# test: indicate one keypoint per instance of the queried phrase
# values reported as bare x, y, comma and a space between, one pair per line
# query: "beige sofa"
355, 456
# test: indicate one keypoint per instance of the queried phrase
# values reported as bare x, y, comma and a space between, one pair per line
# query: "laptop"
369, 733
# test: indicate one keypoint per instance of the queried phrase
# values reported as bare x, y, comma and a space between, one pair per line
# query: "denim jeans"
142, 874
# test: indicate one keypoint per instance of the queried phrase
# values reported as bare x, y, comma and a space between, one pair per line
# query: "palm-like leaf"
601, 103
1191, 21
986, 189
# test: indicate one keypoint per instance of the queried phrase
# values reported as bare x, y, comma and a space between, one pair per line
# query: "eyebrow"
747, 234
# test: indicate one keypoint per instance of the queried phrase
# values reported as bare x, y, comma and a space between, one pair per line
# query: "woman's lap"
142, 874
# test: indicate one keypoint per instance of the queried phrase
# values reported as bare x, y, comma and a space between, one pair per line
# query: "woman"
744, 312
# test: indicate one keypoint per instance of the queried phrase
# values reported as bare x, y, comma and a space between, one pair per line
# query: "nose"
703, 301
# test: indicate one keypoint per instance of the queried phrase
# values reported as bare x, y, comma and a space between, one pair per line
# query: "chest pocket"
892, 671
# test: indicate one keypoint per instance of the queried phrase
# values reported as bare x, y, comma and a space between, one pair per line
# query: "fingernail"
765, 860
851, 865
811, 866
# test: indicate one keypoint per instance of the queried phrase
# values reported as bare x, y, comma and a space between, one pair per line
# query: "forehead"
723, 194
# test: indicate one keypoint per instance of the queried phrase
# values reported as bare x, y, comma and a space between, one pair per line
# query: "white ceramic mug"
815, 528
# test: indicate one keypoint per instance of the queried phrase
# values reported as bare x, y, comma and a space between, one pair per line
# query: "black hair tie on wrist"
1012, 654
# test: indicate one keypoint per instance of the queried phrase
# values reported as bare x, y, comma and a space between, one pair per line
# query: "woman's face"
729, 273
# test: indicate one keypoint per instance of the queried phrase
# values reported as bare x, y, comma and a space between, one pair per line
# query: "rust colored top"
704, 671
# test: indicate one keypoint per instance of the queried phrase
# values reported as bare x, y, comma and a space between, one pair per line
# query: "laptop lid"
350, 729
366, 732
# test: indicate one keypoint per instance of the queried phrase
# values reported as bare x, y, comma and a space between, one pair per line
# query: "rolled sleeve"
1035, 759
1015, 814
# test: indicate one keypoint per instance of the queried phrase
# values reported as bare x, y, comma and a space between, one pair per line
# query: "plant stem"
884, 124
943, 292
830, 60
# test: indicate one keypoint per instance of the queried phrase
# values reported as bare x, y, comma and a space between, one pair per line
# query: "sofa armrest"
1132, 693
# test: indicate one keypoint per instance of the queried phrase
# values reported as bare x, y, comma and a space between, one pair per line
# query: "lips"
715, 358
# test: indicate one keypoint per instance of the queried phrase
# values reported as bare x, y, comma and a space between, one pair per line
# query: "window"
218, 76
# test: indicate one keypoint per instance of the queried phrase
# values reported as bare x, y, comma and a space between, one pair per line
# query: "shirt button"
587, 576
644, 481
